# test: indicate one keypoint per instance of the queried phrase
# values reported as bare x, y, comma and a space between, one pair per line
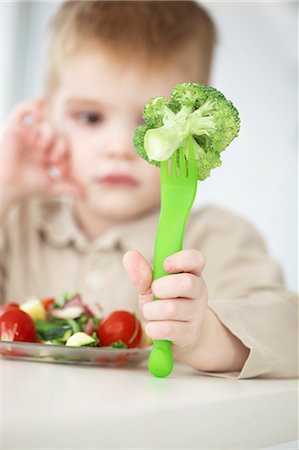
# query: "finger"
192, 261
25, 124
179, 333
58, 162
37, 144
25, 110
57, 152
139, 271
185, 285
27, 135
44, 140
22, 109
172, 309
62, 154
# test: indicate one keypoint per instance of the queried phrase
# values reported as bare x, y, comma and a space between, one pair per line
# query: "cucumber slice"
48, 331
80, 340
66, 336
74, 325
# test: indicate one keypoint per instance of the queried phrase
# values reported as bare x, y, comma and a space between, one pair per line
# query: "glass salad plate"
101, 356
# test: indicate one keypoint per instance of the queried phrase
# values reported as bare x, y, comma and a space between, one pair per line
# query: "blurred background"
256, 66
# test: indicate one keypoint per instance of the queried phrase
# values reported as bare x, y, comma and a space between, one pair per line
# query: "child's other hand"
34, 158
180, 313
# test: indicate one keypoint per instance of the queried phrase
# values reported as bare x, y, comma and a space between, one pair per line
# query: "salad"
70, 322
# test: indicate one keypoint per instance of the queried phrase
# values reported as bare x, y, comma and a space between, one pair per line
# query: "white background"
256, 66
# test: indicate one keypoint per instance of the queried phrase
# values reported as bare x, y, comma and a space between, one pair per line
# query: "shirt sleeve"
247, 294
3, 262
13, 237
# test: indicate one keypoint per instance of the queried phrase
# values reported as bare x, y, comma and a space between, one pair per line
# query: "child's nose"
120, 145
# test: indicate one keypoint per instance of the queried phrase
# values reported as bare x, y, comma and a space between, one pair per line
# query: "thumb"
140, 272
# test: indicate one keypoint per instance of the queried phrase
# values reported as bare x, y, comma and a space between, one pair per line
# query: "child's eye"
90, 118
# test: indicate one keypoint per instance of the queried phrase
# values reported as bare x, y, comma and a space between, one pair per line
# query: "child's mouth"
118, 180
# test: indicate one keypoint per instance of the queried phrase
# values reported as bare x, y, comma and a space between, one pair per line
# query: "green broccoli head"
155, 111
192, 95
138, 141
193, 109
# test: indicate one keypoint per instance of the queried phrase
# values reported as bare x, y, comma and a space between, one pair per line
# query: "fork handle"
169, 240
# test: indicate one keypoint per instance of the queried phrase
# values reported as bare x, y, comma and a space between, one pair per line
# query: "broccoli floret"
155, 111
194, 109
192, 95
138, 142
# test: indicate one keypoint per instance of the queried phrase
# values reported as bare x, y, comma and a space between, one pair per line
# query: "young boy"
105, 61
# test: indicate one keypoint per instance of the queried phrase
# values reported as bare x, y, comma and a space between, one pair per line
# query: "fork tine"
164, 168
173, 170
183, 168
192, 172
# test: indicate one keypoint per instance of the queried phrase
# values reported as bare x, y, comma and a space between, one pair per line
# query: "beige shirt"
44, 253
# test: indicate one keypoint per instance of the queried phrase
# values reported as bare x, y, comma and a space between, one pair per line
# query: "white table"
60, 406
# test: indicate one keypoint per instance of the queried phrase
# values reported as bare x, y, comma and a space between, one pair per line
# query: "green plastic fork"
178, 190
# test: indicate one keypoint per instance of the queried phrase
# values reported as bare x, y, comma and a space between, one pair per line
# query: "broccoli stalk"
193, 110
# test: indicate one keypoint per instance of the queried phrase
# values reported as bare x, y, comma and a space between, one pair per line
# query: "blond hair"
152, 32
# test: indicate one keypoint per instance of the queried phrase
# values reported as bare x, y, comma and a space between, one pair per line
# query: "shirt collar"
57, 224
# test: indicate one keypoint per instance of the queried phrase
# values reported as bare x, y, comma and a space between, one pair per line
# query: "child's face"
97, 106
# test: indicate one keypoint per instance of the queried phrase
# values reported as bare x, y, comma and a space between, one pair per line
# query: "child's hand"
34, 158
180, 313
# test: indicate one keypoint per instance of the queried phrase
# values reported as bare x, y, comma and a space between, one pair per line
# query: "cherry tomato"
16, 325
13, 304
120, 326
48, 302
8, 306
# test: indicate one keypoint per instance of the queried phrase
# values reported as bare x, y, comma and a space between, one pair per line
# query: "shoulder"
214, 222
33, 214
217, 217
35, 208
